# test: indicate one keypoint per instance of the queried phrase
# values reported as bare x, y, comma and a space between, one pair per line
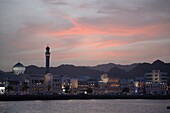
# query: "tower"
47, 55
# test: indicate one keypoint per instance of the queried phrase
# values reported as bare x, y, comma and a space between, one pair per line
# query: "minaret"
47, 55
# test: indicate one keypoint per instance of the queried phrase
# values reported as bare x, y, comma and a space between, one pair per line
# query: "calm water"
86, 106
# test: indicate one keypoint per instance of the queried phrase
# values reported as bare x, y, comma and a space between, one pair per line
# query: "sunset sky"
84, 32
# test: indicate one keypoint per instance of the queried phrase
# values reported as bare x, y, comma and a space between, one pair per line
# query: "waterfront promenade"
72, 97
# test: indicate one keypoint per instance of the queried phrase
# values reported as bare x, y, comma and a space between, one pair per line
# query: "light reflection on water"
86, 106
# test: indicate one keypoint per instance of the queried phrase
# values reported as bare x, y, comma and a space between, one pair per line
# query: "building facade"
156, 82
156, 76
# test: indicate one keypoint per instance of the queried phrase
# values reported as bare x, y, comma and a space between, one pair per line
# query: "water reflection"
86, 106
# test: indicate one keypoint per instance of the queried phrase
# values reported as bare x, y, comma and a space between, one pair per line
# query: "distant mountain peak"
158, 62
108, 64
104, 67
67, 65
32, 66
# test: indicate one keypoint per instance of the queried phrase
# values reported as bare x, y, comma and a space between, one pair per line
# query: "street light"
39, 83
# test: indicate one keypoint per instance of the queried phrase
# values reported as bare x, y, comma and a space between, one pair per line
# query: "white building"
57, 84
45, 84
156, 82
103, 86
156, 76
74, 85
18, 69
36, 84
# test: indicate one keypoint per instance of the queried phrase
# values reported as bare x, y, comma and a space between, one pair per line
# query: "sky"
83, 32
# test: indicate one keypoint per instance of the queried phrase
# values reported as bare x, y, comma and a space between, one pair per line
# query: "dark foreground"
67, 97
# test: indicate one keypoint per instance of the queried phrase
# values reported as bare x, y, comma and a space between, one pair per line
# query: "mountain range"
68, 70
109, 66
113, 70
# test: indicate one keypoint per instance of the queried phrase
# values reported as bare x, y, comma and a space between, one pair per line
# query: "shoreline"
78, 97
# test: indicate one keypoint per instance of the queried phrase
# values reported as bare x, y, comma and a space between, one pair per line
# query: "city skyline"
82, 32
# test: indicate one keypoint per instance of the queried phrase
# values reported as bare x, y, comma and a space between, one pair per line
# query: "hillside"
109, 66
69, 70
140, 70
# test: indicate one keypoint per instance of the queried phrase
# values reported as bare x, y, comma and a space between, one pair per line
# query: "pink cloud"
83, 29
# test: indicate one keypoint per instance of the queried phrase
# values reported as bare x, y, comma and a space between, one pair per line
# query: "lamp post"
19, 87
38, 84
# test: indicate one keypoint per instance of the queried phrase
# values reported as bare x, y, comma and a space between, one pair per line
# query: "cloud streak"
84, 32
